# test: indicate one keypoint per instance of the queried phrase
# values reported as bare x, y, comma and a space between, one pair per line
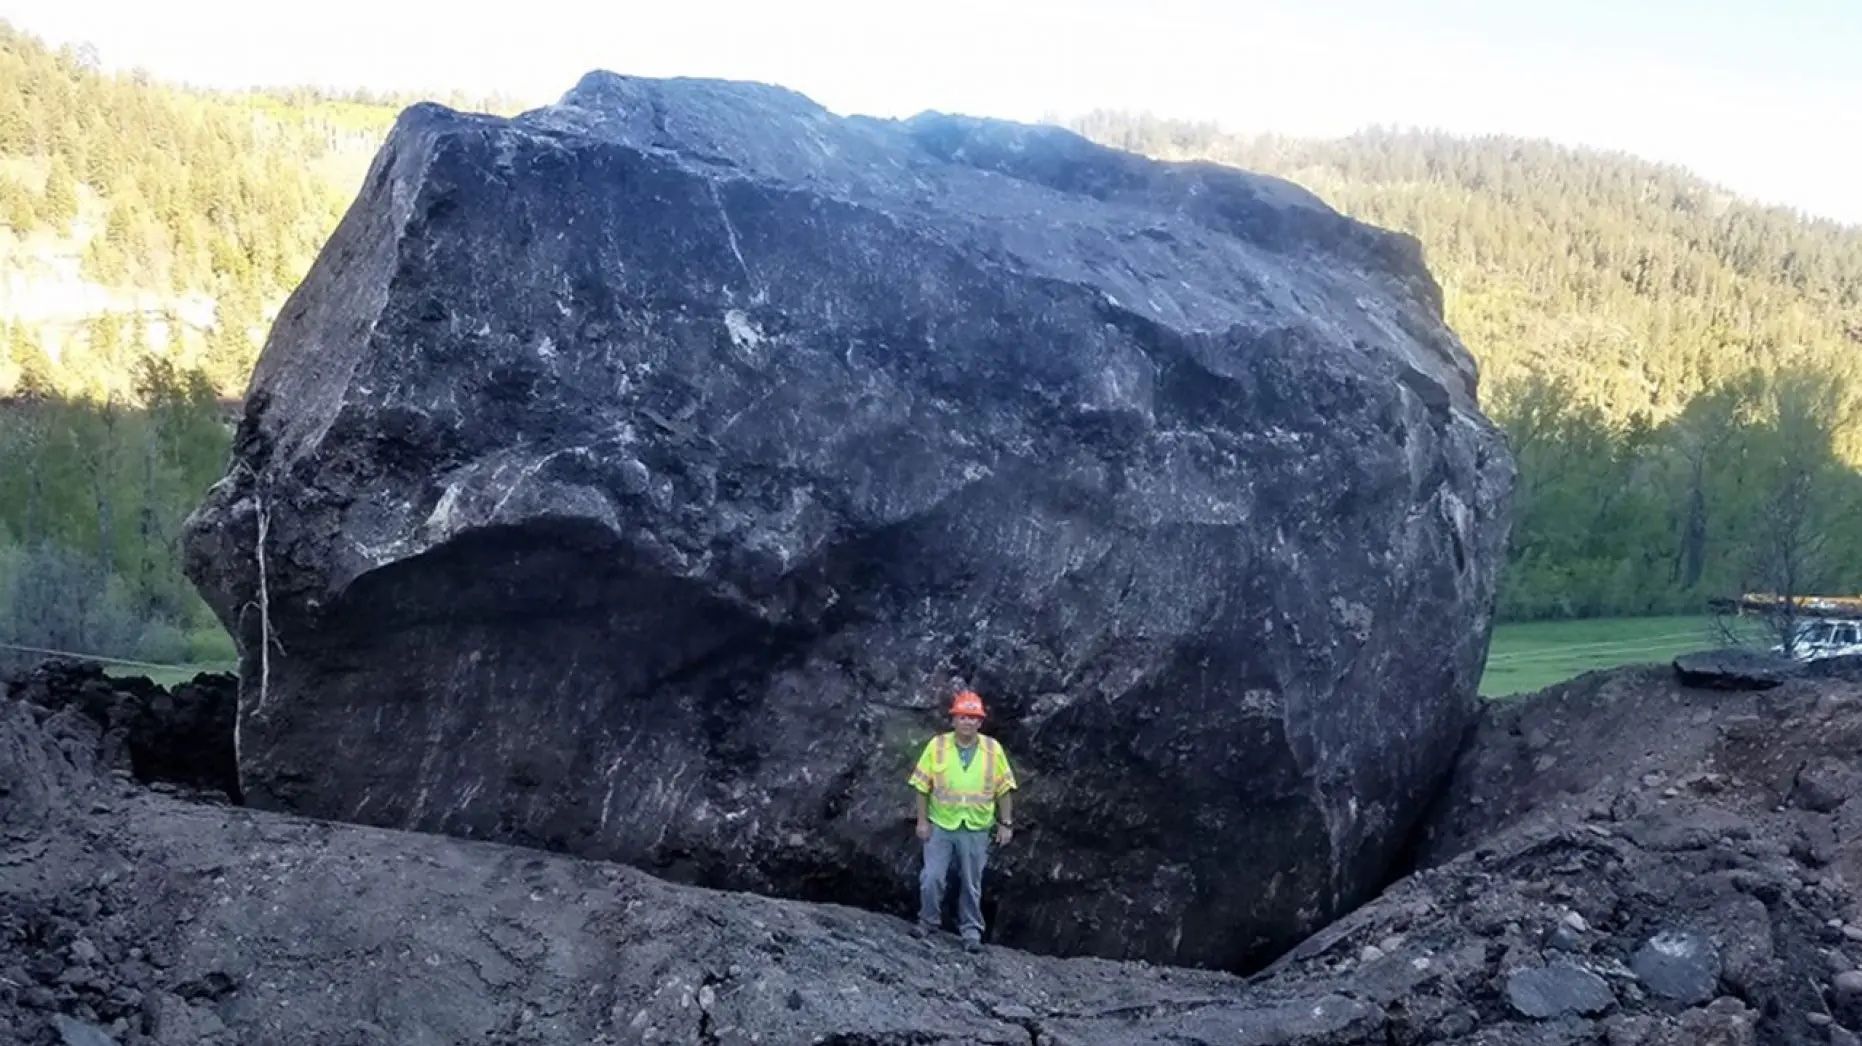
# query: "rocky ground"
1619, 860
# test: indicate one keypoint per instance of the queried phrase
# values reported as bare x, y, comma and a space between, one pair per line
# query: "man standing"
963, 783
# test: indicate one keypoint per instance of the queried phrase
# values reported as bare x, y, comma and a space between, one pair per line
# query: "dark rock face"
1825, 784
1556, 991
641, 475
1679, 965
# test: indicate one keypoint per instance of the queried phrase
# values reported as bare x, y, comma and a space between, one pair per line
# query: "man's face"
966, 725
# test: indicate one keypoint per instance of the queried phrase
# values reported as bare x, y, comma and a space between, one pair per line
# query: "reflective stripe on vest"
941, 789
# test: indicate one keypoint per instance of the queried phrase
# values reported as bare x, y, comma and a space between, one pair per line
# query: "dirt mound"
1621, 860
1739, 811
180, 736
1733, 669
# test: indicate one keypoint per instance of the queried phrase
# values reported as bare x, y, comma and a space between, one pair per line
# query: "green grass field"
174, 674
1524, 657
1535, 654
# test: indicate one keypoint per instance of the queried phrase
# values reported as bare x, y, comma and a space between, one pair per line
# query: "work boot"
922, 930
972, 944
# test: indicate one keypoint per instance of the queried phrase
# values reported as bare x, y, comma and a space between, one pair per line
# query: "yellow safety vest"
962, 796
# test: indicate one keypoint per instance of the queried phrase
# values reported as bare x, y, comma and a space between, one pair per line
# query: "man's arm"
1005, 799
921, 787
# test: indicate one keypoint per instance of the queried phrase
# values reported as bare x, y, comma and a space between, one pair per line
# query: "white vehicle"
1819, 638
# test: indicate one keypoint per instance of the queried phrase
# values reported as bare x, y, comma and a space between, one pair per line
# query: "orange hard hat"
967, 703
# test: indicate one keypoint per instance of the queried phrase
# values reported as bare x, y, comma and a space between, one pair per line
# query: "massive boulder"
638, 477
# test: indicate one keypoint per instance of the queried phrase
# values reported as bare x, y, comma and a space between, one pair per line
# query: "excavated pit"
1678, 874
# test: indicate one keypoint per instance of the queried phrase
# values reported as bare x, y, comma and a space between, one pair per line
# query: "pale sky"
1762, 96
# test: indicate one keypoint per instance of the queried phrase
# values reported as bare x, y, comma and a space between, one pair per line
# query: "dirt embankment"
1620, 860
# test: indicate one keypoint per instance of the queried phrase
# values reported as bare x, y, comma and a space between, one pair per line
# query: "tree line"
1679, 372
93, 497
167, 196
114, 423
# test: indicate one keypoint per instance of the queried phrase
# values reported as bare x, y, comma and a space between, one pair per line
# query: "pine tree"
16, 133
138, 347
17, 209
229, 356
36, 373
60, 203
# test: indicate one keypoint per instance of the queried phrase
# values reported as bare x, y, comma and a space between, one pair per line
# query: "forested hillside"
140, 216
146, 232
1680, 372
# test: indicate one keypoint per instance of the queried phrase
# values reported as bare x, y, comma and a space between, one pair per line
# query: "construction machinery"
1823, 626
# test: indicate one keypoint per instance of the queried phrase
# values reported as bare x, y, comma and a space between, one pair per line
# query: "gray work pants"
972, 852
